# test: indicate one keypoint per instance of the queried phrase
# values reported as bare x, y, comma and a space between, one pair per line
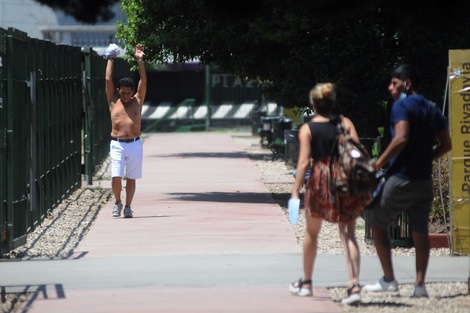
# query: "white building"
27, 16
40, 21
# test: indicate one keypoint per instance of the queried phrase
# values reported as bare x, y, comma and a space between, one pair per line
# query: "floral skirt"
323, 202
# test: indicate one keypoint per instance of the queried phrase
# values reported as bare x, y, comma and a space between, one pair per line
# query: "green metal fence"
97, 134
54, 127
16, 137
56, 108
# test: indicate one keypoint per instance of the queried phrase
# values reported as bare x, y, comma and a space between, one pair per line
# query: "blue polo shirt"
425, 119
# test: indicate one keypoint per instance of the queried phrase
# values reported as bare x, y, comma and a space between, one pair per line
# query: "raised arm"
142, 86
110, 91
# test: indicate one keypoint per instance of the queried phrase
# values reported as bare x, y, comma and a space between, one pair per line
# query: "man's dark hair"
126, 82
406, 71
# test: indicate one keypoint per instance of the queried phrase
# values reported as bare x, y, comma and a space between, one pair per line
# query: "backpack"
351, 168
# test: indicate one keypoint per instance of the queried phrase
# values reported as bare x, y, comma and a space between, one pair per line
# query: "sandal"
298, 288
354, 295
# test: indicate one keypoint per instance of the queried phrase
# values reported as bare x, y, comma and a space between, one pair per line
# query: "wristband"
140, 60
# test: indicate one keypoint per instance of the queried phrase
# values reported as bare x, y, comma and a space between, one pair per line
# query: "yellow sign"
459, 118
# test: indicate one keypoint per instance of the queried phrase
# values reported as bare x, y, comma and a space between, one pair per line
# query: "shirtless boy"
126, 152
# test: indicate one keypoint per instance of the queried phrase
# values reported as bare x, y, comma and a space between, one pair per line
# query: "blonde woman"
316, 139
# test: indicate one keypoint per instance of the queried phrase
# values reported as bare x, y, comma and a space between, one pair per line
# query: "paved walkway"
206, 237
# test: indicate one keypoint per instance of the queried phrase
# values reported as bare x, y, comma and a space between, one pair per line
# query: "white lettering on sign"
230, 81
465, 127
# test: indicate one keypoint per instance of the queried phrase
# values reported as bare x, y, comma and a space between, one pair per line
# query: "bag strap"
341, 130
340, 125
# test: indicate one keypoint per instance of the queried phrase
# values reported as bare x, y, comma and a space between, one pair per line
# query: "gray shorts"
412, 196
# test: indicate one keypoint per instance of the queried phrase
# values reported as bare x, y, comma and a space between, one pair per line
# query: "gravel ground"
443, 297
68, 223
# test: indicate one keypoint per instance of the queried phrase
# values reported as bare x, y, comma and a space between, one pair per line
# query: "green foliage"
277, 144
277, 147
375, 151
288, 46
441, 183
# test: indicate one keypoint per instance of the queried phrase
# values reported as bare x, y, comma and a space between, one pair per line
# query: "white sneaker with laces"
117, 209
420, 291
381, 285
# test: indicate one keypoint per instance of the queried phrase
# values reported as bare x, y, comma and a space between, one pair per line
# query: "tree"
87, 11
290, 45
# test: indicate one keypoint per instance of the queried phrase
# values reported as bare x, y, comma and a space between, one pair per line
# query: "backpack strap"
340, 125
341, 130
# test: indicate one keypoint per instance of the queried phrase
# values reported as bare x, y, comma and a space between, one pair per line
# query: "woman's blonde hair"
322, 97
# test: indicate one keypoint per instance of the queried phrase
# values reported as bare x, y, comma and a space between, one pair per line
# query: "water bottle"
293, 205
381, 182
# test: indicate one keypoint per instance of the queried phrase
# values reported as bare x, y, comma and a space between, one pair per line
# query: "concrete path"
206, 237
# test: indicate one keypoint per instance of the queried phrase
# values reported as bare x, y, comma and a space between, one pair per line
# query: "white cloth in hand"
112, 51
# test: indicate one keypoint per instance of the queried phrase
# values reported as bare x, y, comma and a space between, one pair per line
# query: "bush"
441, 178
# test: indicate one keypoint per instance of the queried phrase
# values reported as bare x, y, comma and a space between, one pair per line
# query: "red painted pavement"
199, 194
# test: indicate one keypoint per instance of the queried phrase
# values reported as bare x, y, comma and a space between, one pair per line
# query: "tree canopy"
288, 45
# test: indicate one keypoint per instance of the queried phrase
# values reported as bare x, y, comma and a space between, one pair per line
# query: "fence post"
33, 143
3, 164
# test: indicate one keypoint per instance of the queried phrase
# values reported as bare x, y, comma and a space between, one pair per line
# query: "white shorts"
126, 156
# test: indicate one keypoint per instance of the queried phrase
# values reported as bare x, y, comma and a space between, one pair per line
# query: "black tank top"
323, 138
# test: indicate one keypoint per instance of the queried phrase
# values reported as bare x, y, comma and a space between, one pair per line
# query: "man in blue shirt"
416, 123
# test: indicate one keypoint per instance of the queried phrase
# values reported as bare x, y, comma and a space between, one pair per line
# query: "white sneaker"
117, 209
420, 291
381, 285
298, 289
